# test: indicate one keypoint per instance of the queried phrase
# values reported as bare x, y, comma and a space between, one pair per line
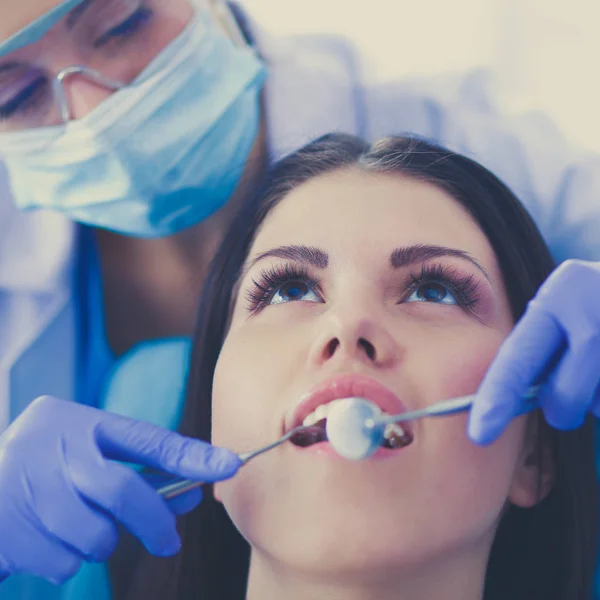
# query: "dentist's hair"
547, 552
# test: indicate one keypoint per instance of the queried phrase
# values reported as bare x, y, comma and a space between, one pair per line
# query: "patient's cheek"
235, 418
460, 371
476, 478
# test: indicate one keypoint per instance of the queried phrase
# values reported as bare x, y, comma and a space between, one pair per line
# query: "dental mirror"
348, 431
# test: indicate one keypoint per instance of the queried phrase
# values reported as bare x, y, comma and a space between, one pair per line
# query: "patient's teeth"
322, 412
331, 404
310, 420
392, 429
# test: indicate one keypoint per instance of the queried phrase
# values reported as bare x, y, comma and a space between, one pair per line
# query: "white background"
544, 53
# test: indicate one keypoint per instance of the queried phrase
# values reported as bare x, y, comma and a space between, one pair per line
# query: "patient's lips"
315, 407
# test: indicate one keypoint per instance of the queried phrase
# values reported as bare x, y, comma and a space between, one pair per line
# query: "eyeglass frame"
222, 14
60, 95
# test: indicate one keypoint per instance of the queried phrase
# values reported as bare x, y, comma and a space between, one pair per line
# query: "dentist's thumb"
143, 443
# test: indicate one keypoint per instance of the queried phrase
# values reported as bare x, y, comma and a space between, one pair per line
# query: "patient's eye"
294, 290
282, 284
432, 292
442, 284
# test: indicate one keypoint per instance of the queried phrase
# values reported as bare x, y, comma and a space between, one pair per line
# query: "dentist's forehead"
26, 21
18, 15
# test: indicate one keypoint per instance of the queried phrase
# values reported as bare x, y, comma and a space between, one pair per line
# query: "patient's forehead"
374, 210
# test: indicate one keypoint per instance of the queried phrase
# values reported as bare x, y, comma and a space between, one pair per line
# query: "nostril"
331, 347
367, 347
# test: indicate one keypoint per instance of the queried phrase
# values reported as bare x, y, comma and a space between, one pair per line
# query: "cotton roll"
347, 431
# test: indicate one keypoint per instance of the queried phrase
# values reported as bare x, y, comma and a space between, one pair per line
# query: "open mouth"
394, 435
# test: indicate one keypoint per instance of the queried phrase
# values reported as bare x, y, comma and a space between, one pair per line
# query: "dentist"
130, 131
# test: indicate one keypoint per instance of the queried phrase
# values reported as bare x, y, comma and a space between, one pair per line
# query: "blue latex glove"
557, 340
61, 494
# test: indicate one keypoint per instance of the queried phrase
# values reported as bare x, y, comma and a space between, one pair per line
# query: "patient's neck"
457, 577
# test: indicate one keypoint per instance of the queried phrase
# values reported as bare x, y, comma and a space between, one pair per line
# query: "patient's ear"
534, 475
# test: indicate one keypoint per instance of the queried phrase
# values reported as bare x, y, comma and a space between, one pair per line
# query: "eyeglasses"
58, 88
42, 100
33, 96
109, 37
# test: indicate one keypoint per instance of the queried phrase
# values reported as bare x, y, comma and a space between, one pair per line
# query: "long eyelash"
269, 280
128, 27
29, 97
463, 287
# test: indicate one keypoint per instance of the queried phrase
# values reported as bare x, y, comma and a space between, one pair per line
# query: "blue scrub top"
146, 383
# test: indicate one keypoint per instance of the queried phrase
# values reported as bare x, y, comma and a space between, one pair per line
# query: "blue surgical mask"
158, 155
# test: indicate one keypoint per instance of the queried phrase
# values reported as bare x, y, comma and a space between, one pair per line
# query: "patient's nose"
356, 340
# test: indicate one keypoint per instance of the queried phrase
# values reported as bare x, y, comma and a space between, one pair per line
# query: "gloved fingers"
569, 392
124, 495
6, 568
61, 509
570, 293
68, 518
46, 557
533, 345
595, 408
180, 505
141, 442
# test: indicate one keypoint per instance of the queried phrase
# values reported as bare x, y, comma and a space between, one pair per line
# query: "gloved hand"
558, 340
61, 494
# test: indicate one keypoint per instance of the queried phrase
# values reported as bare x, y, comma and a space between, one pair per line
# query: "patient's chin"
351, 556
349, 542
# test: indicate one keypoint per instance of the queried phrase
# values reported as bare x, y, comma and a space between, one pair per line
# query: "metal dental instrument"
449, 407
356, 427
369, 428
177, 486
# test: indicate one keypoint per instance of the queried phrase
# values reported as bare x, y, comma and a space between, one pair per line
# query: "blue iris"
434, 293
294, 290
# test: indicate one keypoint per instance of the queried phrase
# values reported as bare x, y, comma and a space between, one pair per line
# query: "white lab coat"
315, 86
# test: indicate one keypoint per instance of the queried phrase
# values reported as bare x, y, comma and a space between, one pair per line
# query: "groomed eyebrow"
409, 255
304, 254
400, 257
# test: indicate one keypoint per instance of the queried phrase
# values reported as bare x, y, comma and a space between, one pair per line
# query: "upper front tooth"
392, 429
322, 412
310, 419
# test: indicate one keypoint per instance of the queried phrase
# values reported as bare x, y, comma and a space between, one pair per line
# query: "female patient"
392, 272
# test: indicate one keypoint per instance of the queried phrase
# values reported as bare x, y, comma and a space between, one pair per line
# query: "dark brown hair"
547, 552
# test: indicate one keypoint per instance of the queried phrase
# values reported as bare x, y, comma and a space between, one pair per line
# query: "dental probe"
354, 429
177, 486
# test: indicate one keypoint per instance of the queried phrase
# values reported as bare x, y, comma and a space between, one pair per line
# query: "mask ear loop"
89, 73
